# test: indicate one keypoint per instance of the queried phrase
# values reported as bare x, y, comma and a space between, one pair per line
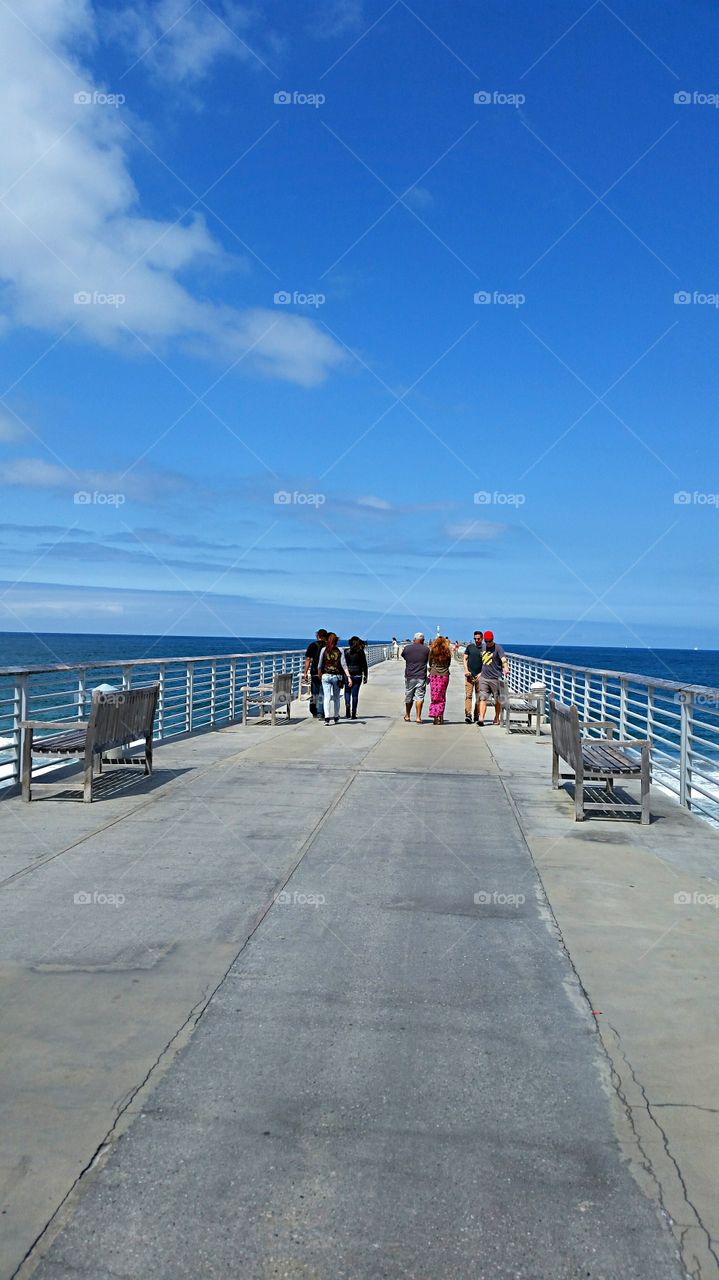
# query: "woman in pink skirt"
440, 658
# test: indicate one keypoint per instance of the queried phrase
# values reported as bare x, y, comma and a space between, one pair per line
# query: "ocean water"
20, 649
682, 666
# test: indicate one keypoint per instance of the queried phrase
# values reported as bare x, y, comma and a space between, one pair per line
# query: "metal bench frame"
116, 720
597, 760
277, 694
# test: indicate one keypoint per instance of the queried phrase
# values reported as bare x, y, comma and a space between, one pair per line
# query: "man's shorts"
489, 684
414, 690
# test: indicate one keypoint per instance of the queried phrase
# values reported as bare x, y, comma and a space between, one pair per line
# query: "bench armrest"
598, 724
54, 724
635, 743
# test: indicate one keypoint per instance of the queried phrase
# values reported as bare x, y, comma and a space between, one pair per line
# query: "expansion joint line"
177, 1040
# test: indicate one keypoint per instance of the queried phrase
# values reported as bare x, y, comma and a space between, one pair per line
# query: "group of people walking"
331, 669
485, 665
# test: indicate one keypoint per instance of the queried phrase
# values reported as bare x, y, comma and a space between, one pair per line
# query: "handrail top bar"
655, 681
146, 662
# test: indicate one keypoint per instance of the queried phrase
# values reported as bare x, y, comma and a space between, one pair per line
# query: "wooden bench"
597, 760
529, 704
116, 720
277, 694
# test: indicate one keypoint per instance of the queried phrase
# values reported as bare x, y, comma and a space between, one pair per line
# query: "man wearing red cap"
494, 666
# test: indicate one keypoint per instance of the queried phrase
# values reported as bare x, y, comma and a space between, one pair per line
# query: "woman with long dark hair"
440, 659
357, 665
332, 664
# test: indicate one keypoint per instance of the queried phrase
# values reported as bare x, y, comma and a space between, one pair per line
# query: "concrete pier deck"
357, 1001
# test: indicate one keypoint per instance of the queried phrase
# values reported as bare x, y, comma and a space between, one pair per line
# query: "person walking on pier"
494, 666
331, 664
312, 657
357, 666
416, 657
472, 670
440, 659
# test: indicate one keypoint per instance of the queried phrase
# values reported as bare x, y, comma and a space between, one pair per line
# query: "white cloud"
71, 220
180, 40
11, 429
475, 531
337, 17
377, 504
419, 197
136, 486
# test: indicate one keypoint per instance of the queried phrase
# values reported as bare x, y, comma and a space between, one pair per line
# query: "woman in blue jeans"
357, 663
332, 663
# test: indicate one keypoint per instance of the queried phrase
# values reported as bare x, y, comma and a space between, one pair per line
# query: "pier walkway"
356, 1002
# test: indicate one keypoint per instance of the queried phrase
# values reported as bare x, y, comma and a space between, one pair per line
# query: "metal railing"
195, 693
681, 721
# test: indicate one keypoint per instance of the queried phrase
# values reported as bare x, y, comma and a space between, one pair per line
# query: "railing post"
623, 696
126, 677
213, 693
587, 696
161, 703
233, 677
189, 691
19, 713
685, 748
81, 693
603, 699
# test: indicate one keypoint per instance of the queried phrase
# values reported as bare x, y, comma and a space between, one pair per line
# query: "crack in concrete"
695, 1273
665, 1144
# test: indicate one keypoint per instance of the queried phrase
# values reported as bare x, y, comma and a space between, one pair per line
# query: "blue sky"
511, 462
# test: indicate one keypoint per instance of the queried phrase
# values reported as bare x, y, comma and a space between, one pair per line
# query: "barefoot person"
416, 656
440, 658
494, 666
332, 663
